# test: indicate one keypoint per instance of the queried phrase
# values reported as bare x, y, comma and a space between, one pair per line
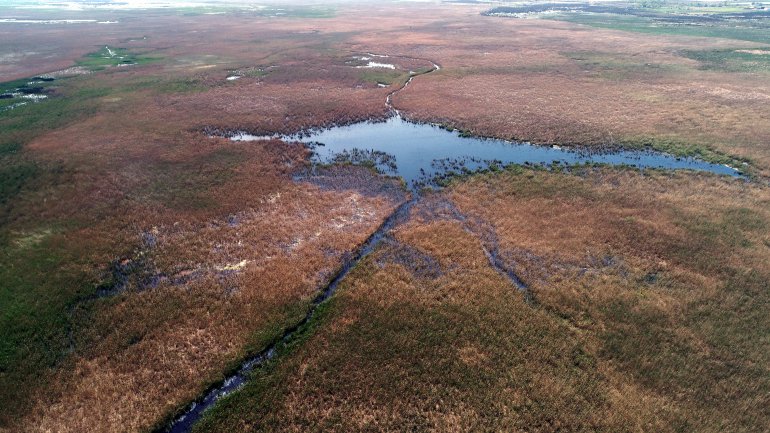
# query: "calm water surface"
423, 151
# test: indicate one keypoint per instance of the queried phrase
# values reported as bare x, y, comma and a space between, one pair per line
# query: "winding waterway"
233, 382
419, 153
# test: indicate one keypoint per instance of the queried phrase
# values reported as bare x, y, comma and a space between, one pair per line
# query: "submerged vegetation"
688, 150
374, 159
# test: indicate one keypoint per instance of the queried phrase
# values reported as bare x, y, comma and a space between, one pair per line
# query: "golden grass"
144, 354
500, 77
635, 325
137, 160
656, 270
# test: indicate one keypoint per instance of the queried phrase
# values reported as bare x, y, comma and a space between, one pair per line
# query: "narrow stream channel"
419, 153
195, 410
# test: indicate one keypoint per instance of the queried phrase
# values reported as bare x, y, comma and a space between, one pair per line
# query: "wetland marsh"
421, 154
227, 216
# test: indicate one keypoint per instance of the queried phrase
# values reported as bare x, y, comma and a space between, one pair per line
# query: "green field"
759, 32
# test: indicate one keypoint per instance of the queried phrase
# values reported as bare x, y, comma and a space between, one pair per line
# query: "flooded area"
32, 91
422, 153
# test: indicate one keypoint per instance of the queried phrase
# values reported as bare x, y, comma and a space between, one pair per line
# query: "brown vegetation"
664, 275
648, 315
590, 87
221, 287
500, 76
239, 247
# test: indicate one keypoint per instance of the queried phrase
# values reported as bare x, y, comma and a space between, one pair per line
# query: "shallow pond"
421, 152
